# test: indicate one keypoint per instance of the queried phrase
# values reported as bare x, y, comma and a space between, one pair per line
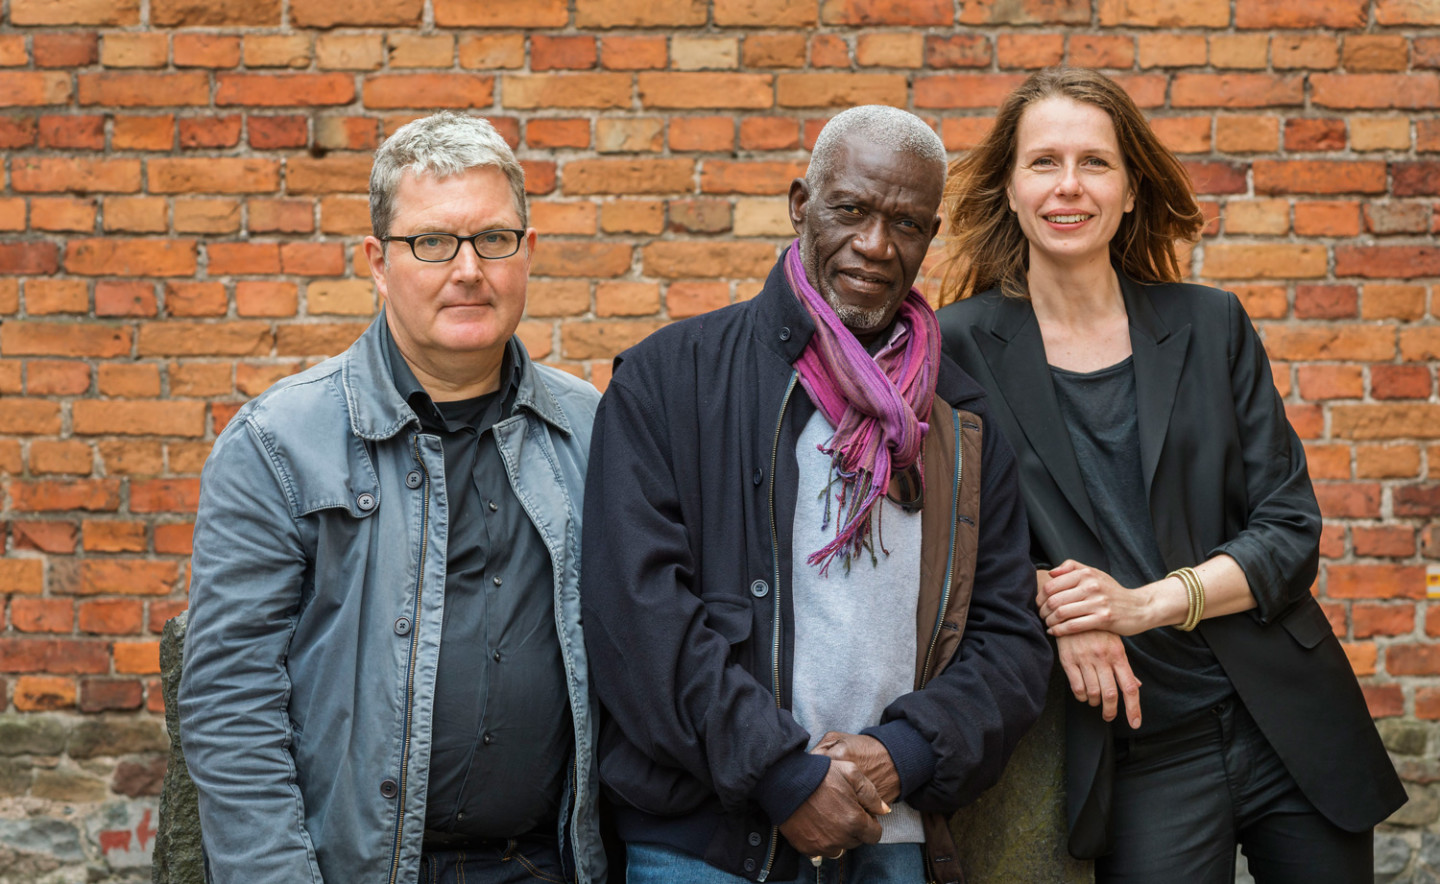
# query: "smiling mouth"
1068, 219
865, 279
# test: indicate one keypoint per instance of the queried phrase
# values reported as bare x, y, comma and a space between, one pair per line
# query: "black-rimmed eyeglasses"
437, 248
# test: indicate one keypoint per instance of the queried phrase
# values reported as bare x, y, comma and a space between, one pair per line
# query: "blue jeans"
869, 864
502, 861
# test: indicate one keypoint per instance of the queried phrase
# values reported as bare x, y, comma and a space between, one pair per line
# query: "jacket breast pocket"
1307, 624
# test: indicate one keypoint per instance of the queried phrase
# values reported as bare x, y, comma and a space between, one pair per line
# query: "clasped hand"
843, 811
1087, 611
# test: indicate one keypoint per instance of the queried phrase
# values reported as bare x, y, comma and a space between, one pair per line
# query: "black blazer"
1224, 473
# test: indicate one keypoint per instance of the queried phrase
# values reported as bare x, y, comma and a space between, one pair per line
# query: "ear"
1010, 197
375, 257
530, 239
799, 203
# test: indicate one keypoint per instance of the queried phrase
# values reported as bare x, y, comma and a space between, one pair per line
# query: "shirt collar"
415, 395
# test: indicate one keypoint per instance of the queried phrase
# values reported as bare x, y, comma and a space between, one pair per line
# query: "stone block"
1015, 833
116, 736
177, 844
31, 735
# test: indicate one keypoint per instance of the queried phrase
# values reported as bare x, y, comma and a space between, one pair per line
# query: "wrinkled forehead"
884, 174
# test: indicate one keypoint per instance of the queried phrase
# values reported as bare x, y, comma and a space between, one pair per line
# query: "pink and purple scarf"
874, 403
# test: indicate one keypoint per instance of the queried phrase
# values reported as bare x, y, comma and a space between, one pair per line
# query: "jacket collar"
785, 327
1012, 346
378, 411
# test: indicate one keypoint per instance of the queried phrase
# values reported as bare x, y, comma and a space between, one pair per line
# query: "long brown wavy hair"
985, 247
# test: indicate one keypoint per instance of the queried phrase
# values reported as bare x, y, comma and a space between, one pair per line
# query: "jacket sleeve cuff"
911, 754
788, 783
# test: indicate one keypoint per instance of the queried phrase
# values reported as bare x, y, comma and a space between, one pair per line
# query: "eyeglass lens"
444, 246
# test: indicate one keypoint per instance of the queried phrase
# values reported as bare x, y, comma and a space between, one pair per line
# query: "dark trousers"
1185, 798
499, 861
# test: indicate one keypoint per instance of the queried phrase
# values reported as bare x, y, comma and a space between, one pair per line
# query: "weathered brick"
682, 91
79, 132
42, 615
783, 50
1165, 13
105, 418
130, 49
131, 257
1380, 262
839, 90
47, 296
385, 91
1387, 461
144, 90
204, 339
43, 693
1026, 12
215, 13
336, 173
276, 50
964, 90
1319, 176
628, 176
74, 174
1237, 90
887, 49
492, 51
117, 576
75, 12
356, 13
1385, 421
1326, 301
1406, 12
1264, 261
1327, 218
62, 214
957, 51
625, 14
210, 132
49, 536
1411, 91
284, 90
111, 536
1311, 14
205, 50
56, 377
143, 132
629, 134
110, 694
633, 216
129, 380
708, 260
64, 338
579, 259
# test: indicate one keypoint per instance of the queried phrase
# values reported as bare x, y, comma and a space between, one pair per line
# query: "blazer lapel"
1159, 355
1015, 353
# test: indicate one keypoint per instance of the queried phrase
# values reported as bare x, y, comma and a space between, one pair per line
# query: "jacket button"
784, 333
366, 501
413, 479
749, 865
402, 626
758, 477
759, 589
496, 656
488, 738
493, 506
389, 789
755, 839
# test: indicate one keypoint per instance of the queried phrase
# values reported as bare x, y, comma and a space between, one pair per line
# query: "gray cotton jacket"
316, 605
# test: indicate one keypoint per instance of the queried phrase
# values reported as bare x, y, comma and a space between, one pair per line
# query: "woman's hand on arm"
1097, 668
1078, 598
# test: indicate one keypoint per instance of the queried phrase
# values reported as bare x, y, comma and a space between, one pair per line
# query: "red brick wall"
184, 200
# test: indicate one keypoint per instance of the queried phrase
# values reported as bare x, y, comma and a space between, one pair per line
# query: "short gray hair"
442, 145
880, 124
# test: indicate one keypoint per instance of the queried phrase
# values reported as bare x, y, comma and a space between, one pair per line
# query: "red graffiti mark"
143, 831
118, 839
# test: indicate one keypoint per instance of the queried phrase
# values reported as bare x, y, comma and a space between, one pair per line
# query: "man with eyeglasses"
384, 678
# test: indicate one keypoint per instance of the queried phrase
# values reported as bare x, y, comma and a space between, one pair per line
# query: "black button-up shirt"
500, 744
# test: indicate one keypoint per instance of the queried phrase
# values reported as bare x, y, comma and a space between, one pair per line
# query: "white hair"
879, 124
442, 145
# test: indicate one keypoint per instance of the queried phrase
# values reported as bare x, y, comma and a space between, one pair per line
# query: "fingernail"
884, 808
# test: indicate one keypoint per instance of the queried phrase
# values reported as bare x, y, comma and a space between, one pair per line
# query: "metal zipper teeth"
775, 630
414, 649
950, 560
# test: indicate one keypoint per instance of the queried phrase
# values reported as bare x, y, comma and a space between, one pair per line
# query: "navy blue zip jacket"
684, 596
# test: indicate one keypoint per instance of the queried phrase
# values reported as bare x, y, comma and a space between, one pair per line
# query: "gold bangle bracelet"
1194, 596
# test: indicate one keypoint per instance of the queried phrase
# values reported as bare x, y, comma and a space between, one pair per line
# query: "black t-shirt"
1180, 677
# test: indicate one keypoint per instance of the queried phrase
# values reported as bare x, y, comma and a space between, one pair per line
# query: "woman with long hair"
1173, 524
